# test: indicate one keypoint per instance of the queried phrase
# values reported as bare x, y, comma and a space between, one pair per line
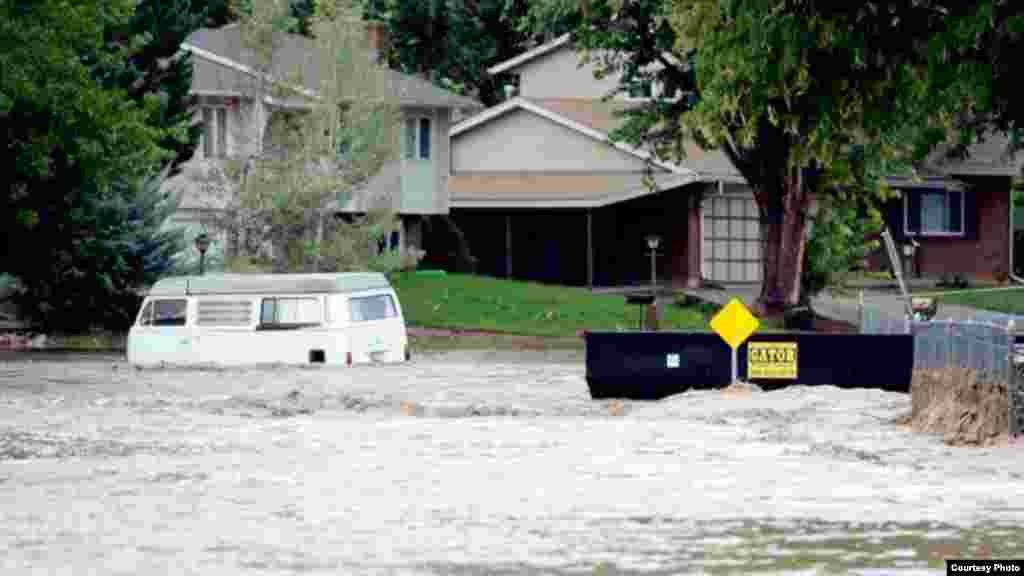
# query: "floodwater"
502, 466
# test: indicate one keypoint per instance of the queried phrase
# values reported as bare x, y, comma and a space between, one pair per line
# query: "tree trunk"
784, 229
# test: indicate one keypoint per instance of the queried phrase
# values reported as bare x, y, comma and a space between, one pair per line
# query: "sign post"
734, 323
894, 260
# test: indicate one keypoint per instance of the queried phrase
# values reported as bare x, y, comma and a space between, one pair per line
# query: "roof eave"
529, 55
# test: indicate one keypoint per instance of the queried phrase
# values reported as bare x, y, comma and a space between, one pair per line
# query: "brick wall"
985, 256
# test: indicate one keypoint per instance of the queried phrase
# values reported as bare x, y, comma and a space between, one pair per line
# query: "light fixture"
202, 244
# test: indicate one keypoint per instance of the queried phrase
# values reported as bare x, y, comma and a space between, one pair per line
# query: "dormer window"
417, 138
215, 130
648, 90
642, 90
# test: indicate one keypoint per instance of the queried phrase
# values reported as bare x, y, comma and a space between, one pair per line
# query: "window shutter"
956, 224
208, 133
894, 219
410, 138
971, 215
913, 211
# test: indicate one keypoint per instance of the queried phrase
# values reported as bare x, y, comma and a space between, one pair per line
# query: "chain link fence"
985, 345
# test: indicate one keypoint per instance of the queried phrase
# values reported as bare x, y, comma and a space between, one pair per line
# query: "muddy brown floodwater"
473, 464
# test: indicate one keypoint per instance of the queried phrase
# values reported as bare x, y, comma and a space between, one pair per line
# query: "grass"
1006, 301
457, 301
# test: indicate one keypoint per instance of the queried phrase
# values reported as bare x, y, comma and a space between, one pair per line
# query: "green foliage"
453, 42
316, 157
88, 112
63, 127
1005, 301
838, 244
83, 270
481, 303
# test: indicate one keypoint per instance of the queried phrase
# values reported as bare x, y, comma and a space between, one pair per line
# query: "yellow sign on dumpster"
772, 360
734, 323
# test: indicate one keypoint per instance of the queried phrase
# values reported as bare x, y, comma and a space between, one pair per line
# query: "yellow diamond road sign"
734, 323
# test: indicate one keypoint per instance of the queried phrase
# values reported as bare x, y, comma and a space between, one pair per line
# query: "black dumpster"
881, 361
654, 365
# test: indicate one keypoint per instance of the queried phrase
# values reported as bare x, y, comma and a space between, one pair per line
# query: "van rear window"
367, 308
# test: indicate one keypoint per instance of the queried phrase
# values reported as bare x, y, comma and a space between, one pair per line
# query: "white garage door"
732, 239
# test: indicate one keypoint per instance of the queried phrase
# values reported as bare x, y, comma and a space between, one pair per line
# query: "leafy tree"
86, 272
317, 154
75, 145
837, 244
974, 68
453, 42
155, 70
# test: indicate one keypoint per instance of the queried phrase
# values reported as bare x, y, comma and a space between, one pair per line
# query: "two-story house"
235, 121
541, 193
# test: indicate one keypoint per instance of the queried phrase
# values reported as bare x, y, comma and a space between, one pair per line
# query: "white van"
236, 319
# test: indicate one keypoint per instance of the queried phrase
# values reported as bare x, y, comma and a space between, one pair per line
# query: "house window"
651, 89
215, 131
417, 138
940, 213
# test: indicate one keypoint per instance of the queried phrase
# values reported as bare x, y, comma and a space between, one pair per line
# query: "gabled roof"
597, 119
520, 103
990, 157
529, 55
225, 47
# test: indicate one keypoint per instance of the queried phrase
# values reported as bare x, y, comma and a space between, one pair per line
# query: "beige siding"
522, 141
558, 75
414, 186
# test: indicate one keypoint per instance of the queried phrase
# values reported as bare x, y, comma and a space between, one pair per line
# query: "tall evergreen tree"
79, 138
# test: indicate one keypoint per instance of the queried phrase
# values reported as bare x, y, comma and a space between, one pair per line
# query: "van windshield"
367, 308
164, 313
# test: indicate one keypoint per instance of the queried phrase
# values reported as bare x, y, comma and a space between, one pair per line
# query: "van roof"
269, 284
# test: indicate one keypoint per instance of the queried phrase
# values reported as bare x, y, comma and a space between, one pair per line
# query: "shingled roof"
224, 64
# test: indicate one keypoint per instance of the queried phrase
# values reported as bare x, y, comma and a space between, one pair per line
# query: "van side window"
367, 308
285, 313
169, 312
146, 316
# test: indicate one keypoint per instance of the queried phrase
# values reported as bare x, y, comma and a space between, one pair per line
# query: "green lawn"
482, 303
1008, 301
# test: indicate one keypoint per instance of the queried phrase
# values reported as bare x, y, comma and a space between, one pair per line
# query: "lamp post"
202, 244
652, 310
652, 244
